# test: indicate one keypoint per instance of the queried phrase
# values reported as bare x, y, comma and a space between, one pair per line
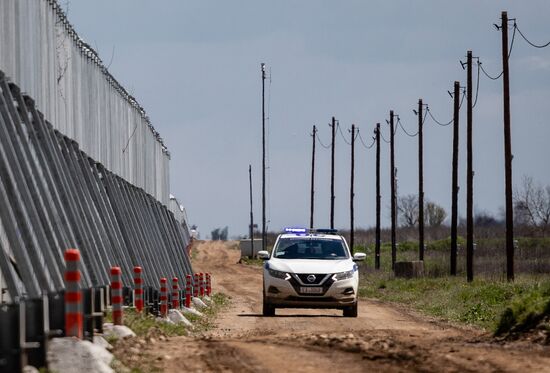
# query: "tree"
532, 205
407, 207
220, 234
434, 214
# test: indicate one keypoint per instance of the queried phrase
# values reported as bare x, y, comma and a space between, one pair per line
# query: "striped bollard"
208, 284
175, 293
188, 291
73, 295
163, 297
138, 289
196, 285
202, 283
116, 294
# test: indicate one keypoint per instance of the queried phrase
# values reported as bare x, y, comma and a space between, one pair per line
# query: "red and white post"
138, 289
188, 288
163, 297
175, 293
73, 295
196, 285
202, 283
116, 294
208, 284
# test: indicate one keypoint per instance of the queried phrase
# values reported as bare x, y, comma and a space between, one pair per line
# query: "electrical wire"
477, 84
383, 139
320, 142
363, 142
341, 133
509, 54
404, 130
452, 119
527, 40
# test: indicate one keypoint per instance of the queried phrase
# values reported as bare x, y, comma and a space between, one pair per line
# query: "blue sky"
195, 67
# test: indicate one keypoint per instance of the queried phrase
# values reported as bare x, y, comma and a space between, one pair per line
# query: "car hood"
311, 265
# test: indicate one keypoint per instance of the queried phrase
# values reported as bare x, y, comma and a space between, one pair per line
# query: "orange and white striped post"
175, 293
202, 283
116, 294
188, 291
163, 297
196, 285
73, 295
138, 289
208, 284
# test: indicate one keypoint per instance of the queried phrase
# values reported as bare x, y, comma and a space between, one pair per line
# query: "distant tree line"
220, 234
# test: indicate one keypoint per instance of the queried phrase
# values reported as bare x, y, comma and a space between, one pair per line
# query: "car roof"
311, 235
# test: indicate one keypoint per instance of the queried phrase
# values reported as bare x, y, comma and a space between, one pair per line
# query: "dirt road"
383, 338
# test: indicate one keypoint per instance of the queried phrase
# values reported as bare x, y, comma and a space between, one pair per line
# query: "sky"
195, 67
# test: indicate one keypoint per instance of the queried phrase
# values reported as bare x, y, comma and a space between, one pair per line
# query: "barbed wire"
528, 41
363, 142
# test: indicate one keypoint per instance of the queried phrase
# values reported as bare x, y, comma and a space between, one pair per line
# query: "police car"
310, 269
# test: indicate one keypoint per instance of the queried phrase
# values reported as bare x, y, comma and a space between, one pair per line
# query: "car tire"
268, 309
351, 311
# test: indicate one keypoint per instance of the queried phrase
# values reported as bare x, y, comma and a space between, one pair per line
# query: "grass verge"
500, 307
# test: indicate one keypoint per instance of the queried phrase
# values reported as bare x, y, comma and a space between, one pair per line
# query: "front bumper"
286, 293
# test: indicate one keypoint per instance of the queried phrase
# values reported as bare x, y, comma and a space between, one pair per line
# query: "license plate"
311, 290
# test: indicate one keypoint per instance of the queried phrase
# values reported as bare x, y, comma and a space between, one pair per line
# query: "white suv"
310, 269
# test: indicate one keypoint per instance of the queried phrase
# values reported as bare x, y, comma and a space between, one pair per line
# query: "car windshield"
310, 248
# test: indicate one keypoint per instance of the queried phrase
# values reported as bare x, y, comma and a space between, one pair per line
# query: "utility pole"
251, 213
378, 198
393, 197
507, 153
351, 193
469, 178
420, 184
264, 233
455, 187
312, 199
332, 173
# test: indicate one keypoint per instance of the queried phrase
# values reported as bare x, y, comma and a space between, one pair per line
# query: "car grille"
296, 285
318, 278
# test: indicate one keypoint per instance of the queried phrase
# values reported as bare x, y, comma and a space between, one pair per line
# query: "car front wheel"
268, 309
351, 311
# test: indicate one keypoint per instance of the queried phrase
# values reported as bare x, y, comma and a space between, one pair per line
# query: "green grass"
492, 305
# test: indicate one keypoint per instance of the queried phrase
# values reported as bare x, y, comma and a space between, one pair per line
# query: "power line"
404, 130
509, 54
320, 142
363, 142
477, 84
527, 40
428, 112
341, 134
383, 139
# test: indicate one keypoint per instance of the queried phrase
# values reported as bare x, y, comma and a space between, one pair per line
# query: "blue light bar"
295, 230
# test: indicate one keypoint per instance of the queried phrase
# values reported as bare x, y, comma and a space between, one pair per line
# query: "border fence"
42, 53
54, 197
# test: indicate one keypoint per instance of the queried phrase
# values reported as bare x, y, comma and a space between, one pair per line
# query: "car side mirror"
263, 255
357, 257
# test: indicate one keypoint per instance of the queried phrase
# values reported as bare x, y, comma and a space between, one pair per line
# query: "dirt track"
383, 337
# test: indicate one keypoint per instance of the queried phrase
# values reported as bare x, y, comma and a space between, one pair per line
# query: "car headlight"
342, 275
278, 274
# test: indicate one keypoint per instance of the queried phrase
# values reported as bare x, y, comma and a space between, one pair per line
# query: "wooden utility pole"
455, 187
312, 199
332, 173
507, 153
264, 233
393, 196
469, 178
420, 184
351, 192
378, 199
251, 213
